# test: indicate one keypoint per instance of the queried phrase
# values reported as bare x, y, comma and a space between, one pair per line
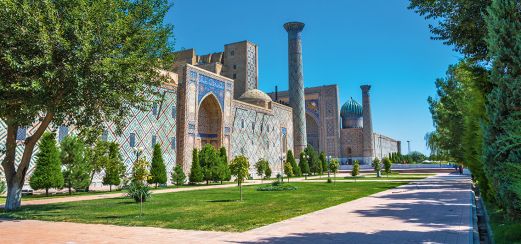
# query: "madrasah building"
214, 99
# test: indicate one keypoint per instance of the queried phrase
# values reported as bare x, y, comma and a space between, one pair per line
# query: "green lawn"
384, 177
215, 209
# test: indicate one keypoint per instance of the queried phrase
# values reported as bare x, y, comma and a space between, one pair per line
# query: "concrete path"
434, 210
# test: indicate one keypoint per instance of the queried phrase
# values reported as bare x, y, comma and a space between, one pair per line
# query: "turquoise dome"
351, 109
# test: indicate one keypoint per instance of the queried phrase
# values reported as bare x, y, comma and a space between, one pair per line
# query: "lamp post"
307, 162
281, 168
328, 167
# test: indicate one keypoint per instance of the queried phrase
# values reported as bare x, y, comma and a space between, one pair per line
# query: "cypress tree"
323, 161
178, 175
196, 173
158, 168
303, 164
47, 173
503, 133
290, 159
114, 167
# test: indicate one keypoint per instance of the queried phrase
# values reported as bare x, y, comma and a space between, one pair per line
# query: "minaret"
296, 85
368, 125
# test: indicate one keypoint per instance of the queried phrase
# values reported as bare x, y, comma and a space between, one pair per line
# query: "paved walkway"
434, 210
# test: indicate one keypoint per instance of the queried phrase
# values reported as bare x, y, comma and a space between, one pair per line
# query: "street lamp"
137, 151
306, 157
328, 162
281, 168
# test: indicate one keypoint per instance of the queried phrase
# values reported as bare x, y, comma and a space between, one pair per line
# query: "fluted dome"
351, 113
256, 97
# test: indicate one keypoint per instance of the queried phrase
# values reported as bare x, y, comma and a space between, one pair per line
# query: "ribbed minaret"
296, 85
368, 125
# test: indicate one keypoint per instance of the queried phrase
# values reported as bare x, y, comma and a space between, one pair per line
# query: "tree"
114, 167
387, 165
356, 169
178, 176
97, 156
267, 173
196, 173
239, 168
377, 166
223, 171
288, 170
334, 166
417, 157
291, 159
503, 130
47, 173
76, 169
262, 166
209, 161
87, 63
323, 162
460, 24
315, 165
303, 164
158, 169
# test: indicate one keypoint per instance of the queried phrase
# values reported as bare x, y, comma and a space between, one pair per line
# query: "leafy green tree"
76, 169
334, 166
47, 173
323, 162
239, 168
268, 172
356, 169
178, 176
296, 169
158, 169
303, 164
88, 62
377, 166
315, 166
417, 157
140, 172
261, 166
460, 24
290, 159
97, 156
387, 165
209, 161
114, 167
223, 169
288, 170
503, 132
196, 173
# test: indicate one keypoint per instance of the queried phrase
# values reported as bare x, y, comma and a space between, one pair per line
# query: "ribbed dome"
351, 108
255, 95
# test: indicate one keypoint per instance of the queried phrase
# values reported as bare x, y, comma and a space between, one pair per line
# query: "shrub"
329, 180
323, 161
158, 169
277, 187
290, 159
288, 170
138, 191
334, 165
196, 173
356, 169
47, 173
178, 176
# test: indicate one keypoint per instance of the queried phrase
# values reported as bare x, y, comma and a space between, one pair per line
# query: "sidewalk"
437, 209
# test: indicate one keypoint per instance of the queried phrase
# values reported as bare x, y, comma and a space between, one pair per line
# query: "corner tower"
368, 125
296, 84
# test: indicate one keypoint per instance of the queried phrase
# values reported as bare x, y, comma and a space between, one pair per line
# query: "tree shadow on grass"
224, 200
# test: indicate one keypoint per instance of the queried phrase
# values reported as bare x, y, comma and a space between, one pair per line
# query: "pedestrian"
461, 169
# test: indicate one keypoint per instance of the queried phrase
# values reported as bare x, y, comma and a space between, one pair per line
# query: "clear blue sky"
345, 42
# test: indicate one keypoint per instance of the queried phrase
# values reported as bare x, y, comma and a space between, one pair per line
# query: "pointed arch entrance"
209, 122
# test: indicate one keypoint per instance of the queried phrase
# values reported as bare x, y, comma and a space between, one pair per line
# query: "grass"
504, 230
214, 209
384, 177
